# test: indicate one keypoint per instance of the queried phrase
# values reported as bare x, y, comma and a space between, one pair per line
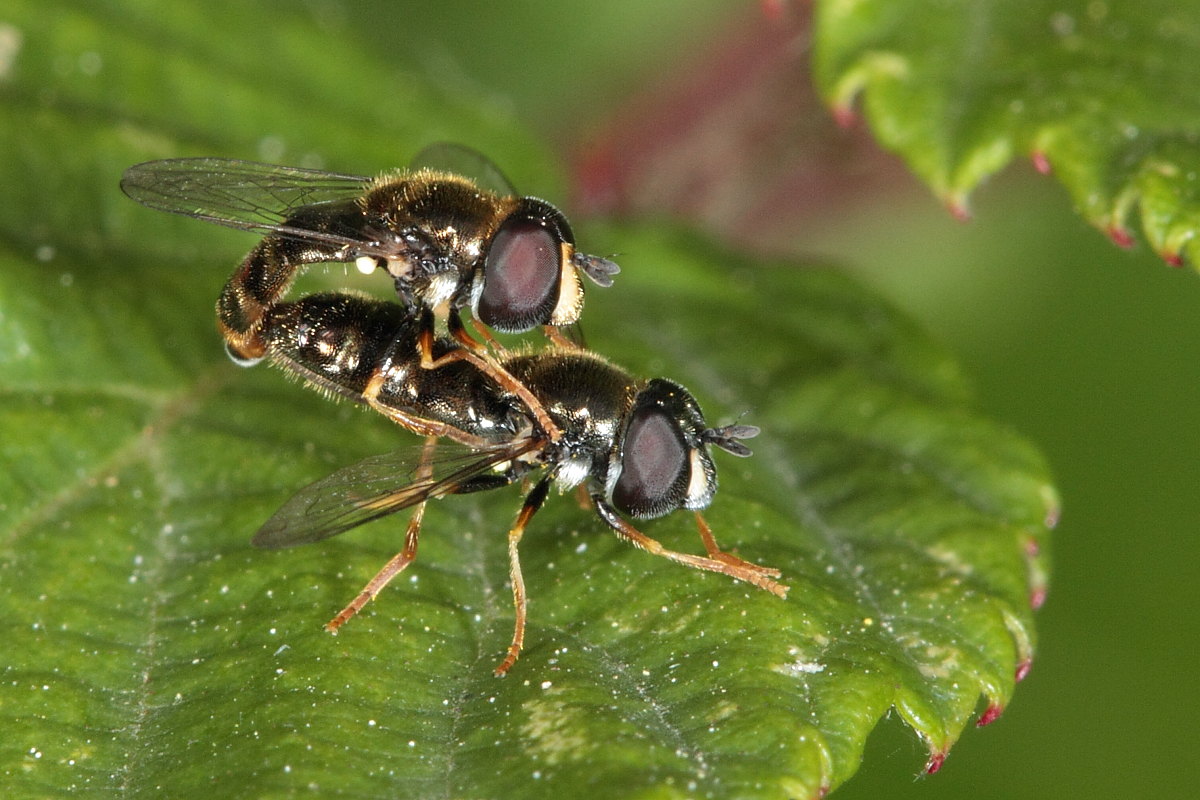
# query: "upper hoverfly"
447, 240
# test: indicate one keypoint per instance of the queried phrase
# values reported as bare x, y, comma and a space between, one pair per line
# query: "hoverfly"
447, 241
640, 448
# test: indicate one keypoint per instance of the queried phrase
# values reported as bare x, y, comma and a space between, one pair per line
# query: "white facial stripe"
614, 473
698, 481
570, 289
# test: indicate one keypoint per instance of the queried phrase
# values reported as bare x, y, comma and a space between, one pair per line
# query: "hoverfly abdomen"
366, 350
338, 342
267, 272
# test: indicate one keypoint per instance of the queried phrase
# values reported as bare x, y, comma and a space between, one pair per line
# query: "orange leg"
723, 563
488, 366
390, 570
455, 326
715, 552
399, 561
491, 341
533, 502
414, 423
557, 339
583, 497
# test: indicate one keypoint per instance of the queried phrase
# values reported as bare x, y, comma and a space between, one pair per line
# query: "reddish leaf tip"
936, 759
845, 116
1037, 598
958, 209
1172, 259
1120, 236
1041, 162
1023, 669
989, 715
1053, 514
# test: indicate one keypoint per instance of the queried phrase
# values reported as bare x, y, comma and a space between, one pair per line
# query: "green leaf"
1102, 94
149, 650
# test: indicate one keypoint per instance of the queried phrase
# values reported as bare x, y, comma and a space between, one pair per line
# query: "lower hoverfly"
640, 448
447, 240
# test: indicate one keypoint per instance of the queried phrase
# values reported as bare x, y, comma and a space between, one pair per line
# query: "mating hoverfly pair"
563, 417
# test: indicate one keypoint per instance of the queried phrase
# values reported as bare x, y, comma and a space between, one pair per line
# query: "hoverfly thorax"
439, 226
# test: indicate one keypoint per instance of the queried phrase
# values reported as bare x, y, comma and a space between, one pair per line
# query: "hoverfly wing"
462, 160
248, 195
378, 486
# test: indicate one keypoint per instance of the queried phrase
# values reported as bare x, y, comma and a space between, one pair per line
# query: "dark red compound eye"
520, 277
654, 466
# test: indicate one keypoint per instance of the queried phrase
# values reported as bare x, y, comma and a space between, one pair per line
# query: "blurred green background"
1089, 350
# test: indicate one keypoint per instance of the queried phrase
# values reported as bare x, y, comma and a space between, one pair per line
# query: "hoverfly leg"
486, 335
490, 367
390, 570
454, 325
533, 501
425, 341
740, 570
510, 384
255, 289
558, 340
583, 497
716, 553
401, 560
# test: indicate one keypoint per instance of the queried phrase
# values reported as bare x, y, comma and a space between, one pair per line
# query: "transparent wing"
252, 196
462, 160
378, 486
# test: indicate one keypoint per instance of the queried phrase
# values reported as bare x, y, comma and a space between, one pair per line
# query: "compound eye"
654, 466
520, 277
